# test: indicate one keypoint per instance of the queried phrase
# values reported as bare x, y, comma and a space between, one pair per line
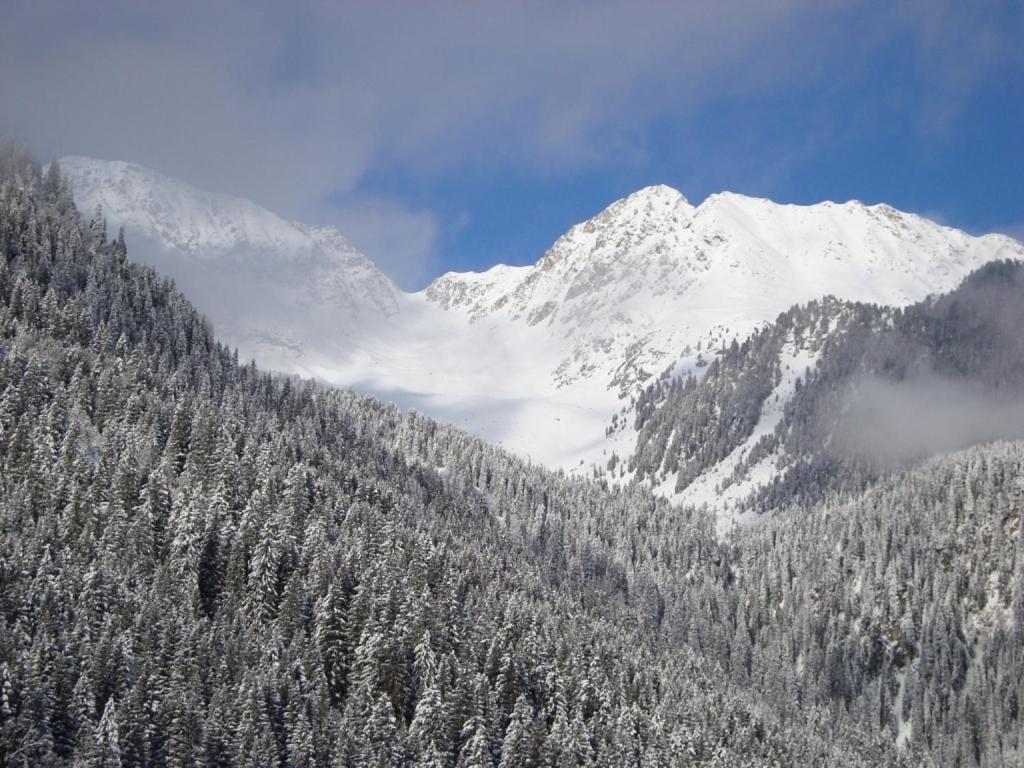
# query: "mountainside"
535, 358
834, 394
202, 564
904, 602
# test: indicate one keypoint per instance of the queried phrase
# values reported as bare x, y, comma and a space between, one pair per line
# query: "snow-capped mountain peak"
642, 226
628, 227
534, 357
651, 275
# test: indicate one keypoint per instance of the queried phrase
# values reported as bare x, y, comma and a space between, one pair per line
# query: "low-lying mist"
888, 423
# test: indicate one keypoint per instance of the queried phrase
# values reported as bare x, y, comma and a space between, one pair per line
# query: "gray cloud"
293, 104
403, 240
887, 423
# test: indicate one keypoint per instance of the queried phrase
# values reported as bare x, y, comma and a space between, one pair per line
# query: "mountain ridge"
538, 358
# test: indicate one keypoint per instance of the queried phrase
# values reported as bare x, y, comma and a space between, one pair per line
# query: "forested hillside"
939, 375
903, 605
687, 425
201, 563
204, 564
882, 389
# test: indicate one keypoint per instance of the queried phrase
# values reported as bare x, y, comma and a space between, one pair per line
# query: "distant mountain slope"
534, 358
273, 287
833, 394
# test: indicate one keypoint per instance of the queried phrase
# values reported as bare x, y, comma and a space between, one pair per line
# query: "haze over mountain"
265, 281
535, 358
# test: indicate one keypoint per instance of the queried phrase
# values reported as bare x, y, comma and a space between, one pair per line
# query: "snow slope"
535, 358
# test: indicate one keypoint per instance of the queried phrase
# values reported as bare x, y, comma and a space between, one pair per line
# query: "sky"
456, 135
